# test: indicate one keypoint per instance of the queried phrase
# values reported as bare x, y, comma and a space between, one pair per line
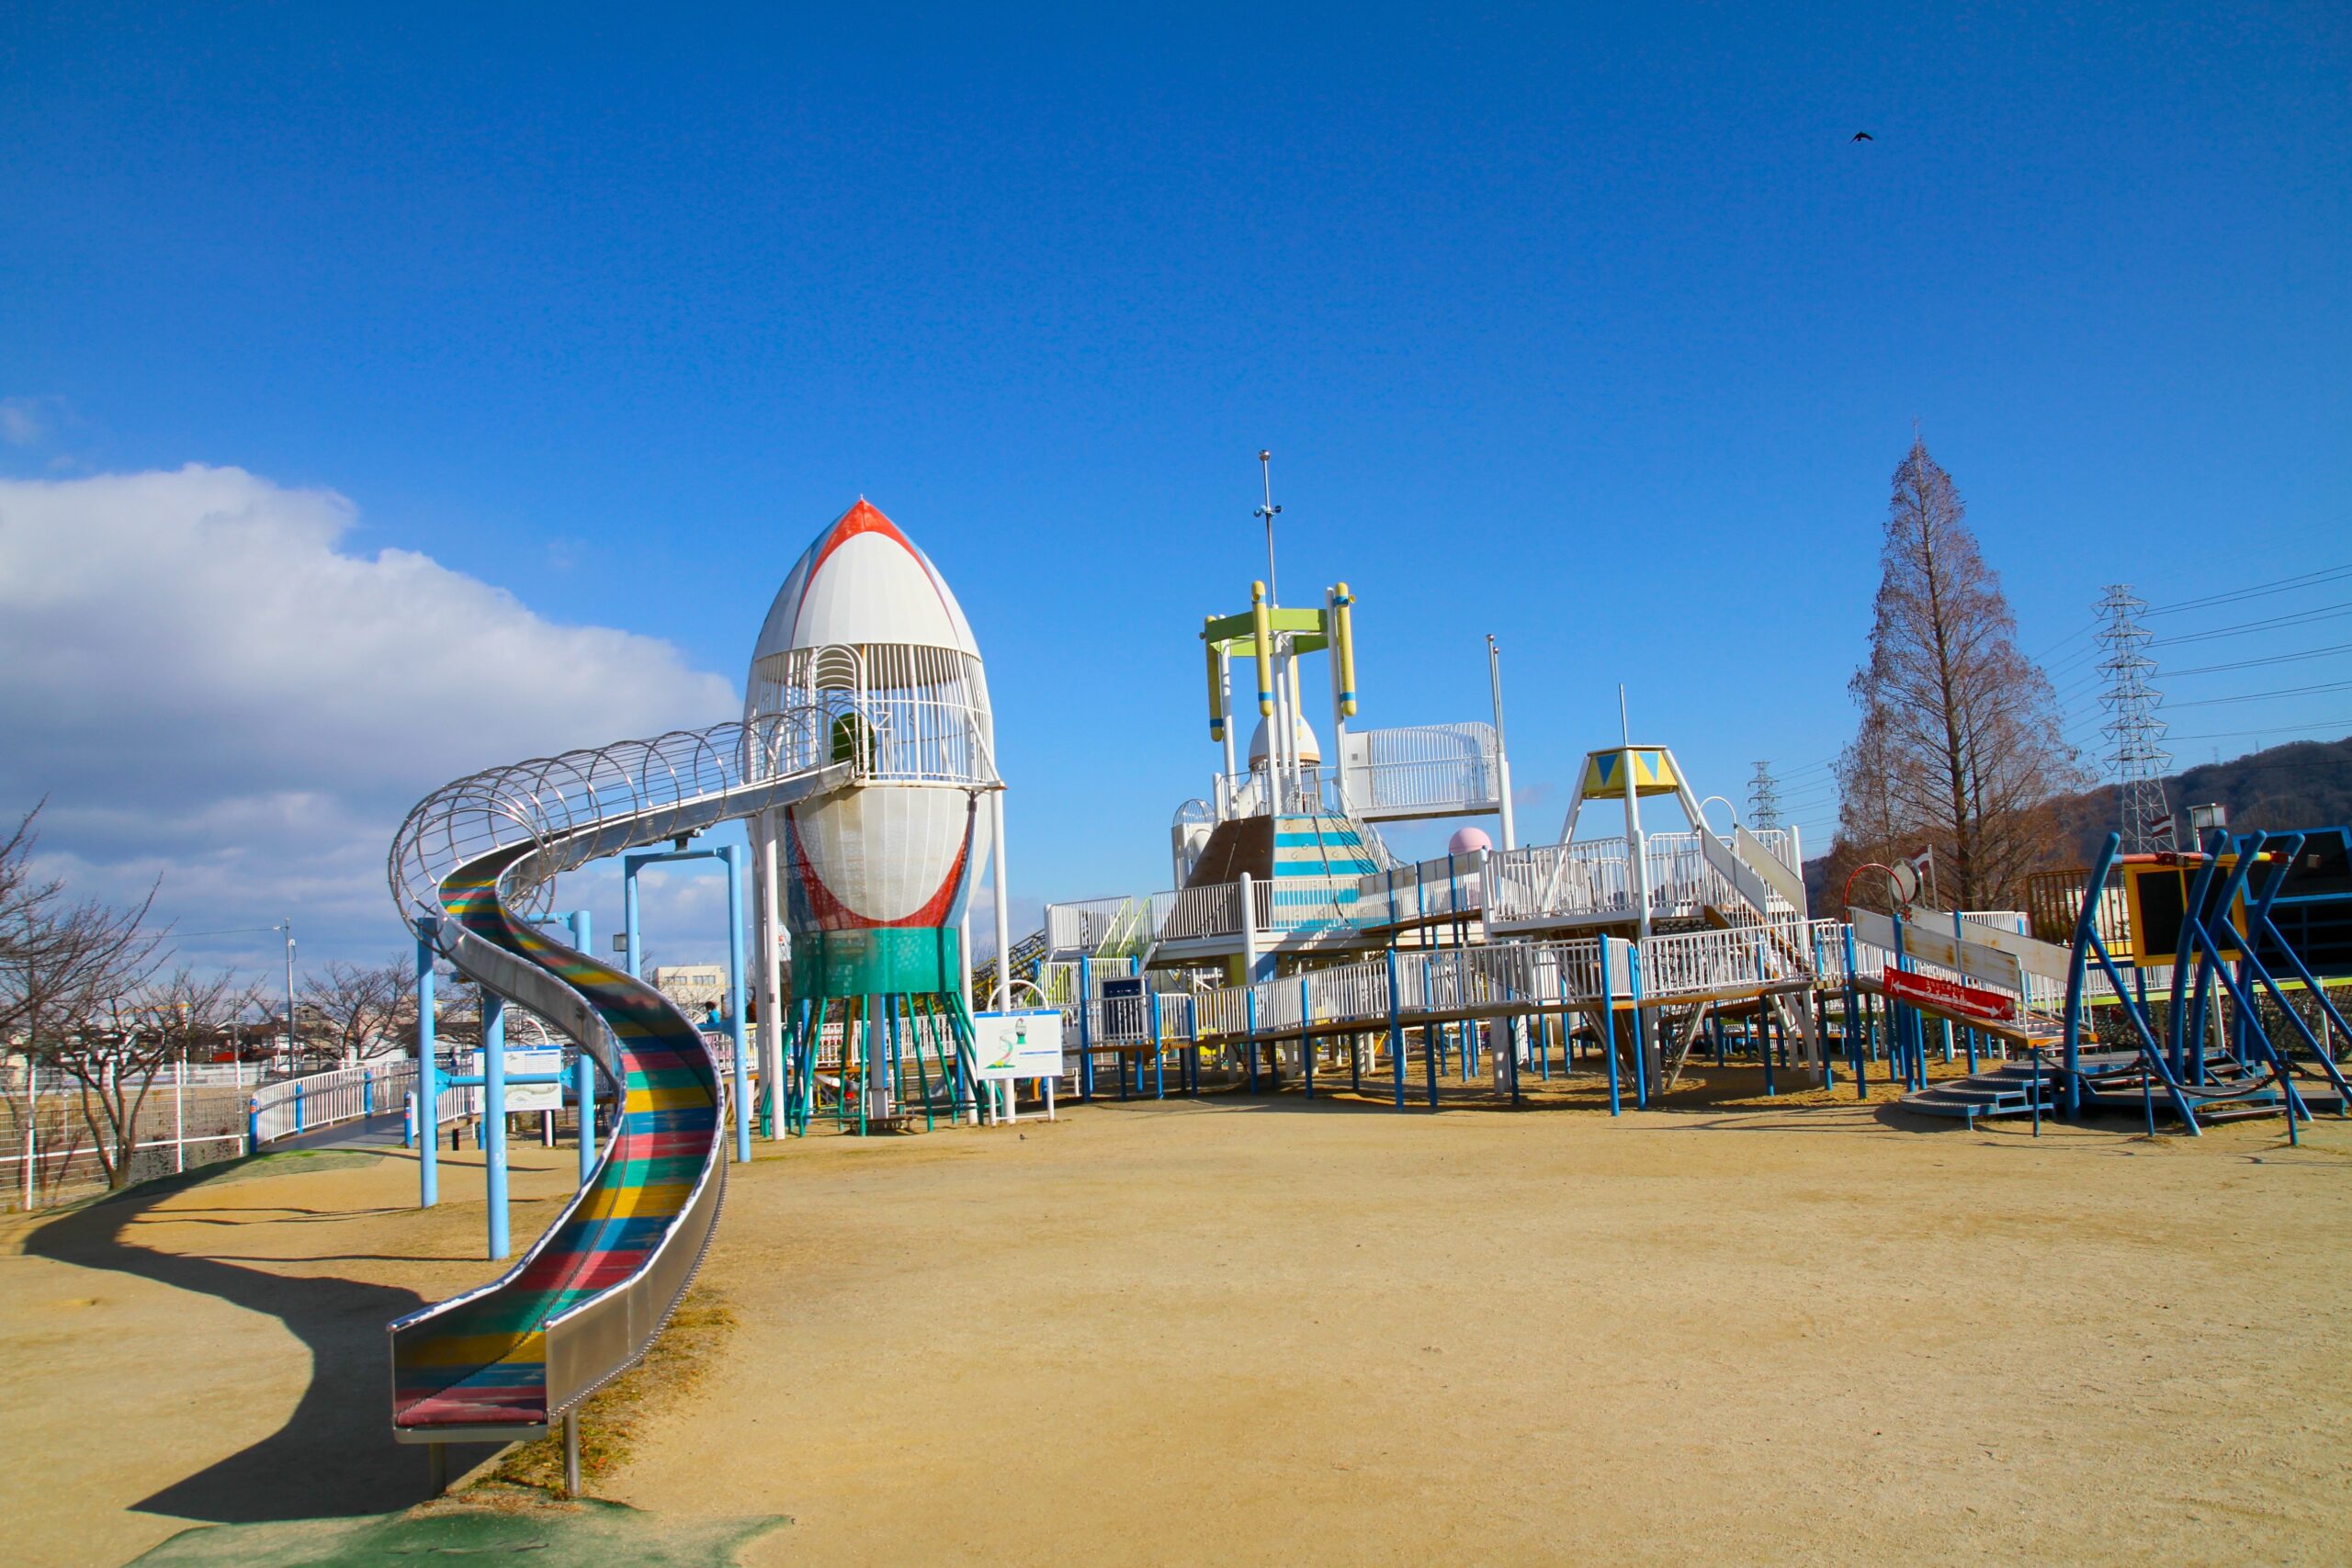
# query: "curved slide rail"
586, 1300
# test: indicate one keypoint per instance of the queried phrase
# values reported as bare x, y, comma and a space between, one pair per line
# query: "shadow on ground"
335, 1456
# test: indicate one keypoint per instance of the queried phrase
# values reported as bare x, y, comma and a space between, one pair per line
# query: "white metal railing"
1258, 794
1213, 911
1209, 911
1435, 770
1082, 925
1446, 887
296, 1105
1594, 877
1690, 963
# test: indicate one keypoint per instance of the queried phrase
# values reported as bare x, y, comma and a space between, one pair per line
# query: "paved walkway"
369, 1132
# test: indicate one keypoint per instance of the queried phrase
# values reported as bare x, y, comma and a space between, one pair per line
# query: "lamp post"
1269, 511
288, 928
1502, 752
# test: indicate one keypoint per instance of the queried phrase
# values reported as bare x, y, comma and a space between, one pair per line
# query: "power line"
2257, 696
2242, 628
2284, 728
2274, 658
2284, 585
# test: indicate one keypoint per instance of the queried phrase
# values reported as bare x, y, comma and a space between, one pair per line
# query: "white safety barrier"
322, 1099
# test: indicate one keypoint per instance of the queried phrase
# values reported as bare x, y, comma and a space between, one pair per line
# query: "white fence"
300, 1105
1594, 878
1526, 976
49, 1145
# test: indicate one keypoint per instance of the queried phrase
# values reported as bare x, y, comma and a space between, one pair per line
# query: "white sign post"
1026, 1043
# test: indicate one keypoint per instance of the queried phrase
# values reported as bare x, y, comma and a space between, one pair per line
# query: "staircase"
2006, 1090
2111, 1080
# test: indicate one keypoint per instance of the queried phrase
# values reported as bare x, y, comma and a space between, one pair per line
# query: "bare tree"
72, 984
359, 1007
1960, 746
146, 1030
26, 902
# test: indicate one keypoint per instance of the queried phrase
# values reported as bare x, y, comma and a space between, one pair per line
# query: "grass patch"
618, 1414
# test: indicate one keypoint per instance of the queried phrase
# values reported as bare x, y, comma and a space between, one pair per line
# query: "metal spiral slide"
509, 1358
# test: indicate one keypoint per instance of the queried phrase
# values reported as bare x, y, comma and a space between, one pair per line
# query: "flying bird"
1864, 135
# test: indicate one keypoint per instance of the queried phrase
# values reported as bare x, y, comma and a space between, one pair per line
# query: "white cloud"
27, 422
210, 690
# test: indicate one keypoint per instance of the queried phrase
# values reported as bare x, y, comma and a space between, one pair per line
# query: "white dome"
1309, 748
862, 582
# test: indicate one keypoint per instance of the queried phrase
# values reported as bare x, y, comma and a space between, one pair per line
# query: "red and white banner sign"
1949, 995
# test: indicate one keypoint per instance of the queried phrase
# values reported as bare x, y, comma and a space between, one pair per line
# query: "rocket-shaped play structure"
864, 764
868, 885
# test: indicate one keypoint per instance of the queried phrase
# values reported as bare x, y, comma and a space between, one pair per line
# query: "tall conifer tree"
1960, 746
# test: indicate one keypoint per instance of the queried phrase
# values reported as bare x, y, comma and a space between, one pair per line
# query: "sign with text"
1024, 1045
1948, 997
534, 1097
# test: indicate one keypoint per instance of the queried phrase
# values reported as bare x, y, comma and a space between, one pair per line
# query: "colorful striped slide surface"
483, 1361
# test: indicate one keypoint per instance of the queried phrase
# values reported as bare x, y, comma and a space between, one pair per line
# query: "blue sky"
1589, 329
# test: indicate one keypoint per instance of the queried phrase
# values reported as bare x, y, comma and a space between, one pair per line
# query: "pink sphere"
1468, 842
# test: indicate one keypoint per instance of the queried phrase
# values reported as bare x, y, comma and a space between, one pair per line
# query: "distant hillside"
2305, 783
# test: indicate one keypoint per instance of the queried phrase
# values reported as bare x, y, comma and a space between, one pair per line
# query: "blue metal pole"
2079, 961
732, 854
1305, 1041
428, 1091
630, 865
1396, 1033
1429, 1034
1085, 1030
1641, 1031
1191, 1076
494, 1117
1250, 1027
1158, 1047
583, 1066
1609, 1028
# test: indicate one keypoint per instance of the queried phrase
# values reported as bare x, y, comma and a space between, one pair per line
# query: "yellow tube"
1265, 636
1216, 690
1343, 640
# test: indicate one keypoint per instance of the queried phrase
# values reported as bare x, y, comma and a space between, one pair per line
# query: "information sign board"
534, 1061
1023, 1044
1948, 997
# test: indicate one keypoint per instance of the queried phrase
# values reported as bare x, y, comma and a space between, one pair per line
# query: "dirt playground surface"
1270, 1332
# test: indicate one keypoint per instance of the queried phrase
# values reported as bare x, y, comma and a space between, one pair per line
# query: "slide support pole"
428, 1088
494, 1117
732, 855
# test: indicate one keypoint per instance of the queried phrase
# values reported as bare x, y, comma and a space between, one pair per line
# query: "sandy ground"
1261, 1331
